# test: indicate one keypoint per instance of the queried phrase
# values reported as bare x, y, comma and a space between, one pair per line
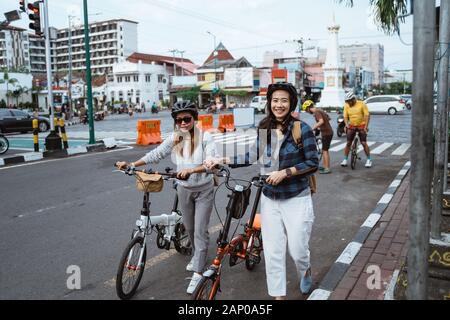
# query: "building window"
127, 79
136, 78
160, 78
219, 77
147, 78
201, 77
119, 79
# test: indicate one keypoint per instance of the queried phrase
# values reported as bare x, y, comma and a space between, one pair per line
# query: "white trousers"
285, 222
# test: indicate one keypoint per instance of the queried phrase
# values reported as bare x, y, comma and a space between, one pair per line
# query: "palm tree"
8, 82
388, 13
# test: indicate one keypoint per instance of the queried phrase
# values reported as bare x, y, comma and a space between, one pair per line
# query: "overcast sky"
246, 27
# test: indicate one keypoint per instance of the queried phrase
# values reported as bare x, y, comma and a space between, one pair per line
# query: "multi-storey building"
369, 56
37, 55
14, 48
109, 41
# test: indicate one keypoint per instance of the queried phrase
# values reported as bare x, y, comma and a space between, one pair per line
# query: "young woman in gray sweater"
189, 148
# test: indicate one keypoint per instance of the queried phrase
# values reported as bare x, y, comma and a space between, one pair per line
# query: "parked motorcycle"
155, 110
341, 125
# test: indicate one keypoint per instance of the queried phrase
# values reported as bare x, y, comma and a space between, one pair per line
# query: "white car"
259, 104
390, 104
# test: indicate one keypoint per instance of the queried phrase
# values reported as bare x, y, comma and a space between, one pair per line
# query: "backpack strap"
297, 133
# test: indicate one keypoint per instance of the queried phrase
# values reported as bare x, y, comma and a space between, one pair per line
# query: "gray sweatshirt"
206, 148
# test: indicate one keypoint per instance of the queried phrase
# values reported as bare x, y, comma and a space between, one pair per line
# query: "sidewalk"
385, 248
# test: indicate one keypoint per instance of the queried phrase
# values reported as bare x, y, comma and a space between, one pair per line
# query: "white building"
269, 57
14, 48
135, 83
109, 42
333, 94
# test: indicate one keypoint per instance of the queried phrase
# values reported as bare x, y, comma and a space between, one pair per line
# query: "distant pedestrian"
326, 131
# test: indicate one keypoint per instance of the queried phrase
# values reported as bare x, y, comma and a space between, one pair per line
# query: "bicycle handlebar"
227, 174
132, 171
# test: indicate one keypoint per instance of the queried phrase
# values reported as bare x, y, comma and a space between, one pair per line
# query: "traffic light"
23, 5
35, 17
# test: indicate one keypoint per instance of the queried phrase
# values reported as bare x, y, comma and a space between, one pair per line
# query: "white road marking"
339, 147
349, 253
372, 220
361, 148
401, 150
56, 160
382, 148
386, 199
320, 294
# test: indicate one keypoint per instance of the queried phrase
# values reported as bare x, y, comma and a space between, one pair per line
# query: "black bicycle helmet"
184, 106
285, 86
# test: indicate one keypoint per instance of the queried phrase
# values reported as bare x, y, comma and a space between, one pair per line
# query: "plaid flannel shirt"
306, 161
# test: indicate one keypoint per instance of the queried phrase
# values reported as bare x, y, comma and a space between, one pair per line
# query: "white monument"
333, 94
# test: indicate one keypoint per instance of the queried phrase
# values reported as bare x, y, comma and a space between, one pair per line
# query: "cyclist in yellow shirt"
356, 117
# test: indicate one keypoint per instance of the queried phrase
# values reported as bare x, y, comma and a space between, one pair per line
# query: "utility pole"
88, 74
182, 62
174, 65
53, 140
441, 132
422, 149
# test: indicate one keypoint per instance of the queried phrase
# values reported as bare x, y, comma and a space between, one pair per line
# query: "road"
76, 211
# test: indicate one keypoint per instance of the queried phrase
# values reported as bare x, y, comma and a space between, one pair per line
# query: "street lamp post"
182, 62
88, 74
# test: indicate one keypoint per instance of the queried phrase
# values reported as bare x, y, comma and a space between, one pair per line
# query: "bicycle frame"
225, 247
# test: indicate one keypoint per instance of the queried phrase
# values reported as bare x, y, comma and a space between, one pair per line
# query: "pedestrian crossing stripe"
245, 139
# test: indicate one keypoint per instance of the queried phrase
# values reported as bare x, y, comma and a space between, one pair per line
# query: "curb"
101, 146
343, 263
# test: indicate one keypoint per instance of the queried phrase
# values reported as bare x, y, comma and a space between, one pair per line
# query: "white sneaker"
190, 266
369, 163
194, 282
344, 163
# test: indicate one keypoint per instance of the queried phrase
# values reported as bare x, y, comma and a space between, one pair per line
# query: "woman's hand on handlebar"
212, 163
277, 177
184, 174
121, 165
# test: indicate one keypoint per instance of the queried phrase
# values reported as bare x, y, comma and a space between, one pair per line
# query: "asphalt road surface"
77, 212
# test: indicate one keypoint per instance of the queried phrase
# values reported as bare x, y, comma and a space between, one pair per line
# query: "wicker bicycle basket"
149, 182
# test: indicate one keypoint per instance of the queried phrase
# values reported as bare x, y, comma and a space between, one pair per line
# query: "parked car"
390, 104
259, 104
408, 99
12, 120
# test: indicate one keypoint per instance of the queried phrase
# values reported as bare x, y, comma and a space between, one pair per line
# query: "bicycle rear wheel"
4, 145
319, 148
207, 288
131, 268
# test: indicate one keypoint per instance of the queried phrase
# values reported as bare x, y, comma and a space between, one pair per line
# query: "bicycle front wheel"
207, 289
4, 145
354, 154
131, 268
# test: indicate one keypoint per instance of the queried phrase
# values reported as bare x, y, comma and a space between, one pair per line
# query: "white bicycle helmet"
350, 96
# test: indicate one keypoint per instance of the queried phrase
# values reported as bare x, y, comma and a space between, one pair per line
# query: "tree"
8, 81
388, 13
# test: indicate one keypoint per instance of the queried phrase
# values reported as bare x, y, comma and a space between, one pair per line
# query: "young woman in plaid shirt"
287, 213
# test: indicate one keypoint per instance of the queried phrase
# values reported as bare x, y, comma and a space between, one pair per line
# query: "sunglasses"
186, 120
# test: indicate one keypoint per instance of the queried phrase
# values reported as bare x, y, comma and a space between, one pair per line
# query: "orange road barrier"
226, 123
206, 122
149, 132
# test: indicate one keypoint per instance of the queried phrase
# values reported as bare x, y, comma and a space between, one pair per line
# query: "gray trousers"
196, 208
